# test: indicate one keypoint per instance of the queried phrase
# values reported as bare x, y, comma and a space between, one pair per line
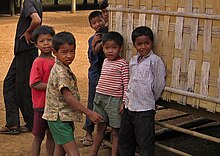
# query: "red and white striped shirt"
114, 78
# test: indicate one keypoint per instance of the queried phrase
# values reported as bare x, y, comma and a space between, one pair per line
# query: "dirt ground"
20, 145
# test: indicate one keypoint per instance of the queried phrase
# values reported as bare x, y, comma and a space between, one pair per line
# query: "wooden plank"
170, 13
205, 78
191, 75
208, 33
142, 17
194, 31
185, 52
175, 73
118, 18
155, 25
191, 80
179, 30
130, 23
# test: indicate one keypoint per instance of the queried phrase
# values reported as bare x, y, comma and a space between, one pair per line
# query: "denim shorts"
108, 107
62, 131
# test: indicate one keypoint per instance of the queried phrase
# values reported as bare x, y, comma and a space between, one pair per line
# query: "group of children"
121, 95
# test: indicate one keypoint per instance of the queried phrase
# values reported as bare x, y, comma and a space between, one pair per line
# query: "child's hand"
121, 108
97, 37
95, 117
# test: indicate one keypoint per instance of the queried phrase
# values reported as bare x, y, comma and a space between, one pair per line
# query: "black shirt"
29, 7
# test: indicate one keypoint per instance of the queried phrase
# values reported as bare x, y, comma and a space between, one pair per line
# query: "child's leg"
59, 150
115, 139
100, 131
71, 149
36, 144
145, 123
127, 139
49, 143
39, 128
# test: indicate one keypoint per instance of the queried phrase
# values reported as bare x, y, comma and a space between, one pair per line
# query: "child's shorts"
40, 125
62, 131
108, 107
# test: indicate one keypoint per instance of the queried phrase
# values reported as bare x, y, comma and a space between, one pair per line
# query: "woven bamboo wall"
187, 38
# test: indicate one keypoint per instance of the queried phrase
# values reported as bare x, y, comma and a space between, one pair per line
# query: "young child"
96, 59
147, 80
110, 91
39, 75
62, 97
103, 6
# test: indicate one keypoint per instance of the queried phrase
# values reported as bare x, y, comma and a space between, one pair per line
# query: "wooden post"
21, 5
12, 7
73, 6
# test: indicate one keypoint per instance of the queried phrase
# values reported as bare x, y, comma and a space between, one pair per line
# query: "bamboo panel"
187, 37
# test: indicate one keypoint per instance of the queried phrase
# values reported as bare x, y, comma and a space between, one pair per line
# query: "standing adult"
16, 90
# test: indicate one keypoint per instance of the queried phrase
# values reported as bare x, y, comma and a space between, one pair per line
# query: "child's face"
111, 50
44, 43
105, 14
97, 22
143, 45
65, 54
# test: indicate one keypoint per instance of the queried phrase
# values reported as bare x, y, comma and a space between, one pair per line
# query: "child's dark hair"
94, 14
103, 4
113, 36
142, 31
63, 38
42, 30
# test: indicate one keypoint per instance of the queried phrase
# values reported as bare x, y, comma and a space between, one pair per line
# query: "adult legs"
24, 62
12, 110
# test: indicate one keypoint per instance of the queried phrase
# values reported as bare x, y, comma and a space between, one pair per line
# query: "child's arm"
39, 86
75, 104
159, 78
125, 79
97, 43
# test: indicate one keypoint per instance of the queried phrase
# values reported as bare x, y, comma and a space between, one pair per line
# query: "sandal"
24, 129
9, 130
86, 141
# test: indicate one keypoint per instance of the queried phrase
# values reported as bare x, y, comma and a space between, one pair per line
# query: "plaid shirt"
61, 76
147, 80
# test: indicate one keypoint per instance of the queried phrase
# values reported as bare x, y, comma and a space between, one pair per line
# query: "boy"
103, 7
110, 91
62, 97
96, 59
147, 80
40, 71
16, 90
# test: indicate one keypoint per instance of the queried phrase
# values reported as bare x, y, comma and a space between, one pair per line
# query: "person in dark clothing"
16, 90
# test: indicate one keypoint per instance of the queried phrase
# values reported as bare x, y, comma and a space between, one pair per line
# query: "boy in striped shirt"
110, 91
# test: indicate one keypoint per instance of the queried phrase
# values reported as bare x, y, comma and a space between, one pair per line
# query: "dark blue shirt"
96, 61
